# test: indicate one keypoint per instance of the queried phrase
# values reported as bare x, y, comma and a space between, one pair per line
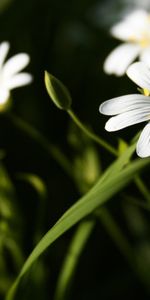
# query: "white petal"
143, 145
4, 48
121, 31
127, 119
4, 96
19, 80
15, 64
145, 56
120, 58
137, 16
123, 104
140, 74
132, 26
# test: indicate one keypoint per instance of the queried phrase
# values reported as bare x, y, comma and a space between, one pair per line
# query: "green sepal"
57, 92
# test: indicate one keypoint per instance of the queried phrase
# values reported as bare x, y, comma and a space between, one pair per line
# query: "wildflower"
134, 30
10, 76
132, 109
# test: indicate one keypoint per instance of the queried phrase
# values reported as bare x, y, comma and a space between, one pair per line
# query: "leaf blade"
97, 196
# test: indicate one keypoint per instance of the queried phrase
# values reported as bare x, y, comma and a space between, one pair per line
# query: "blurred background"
69, 39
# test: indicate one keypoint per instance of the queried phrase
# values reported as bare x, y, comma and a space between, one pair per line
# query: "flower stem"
115, 233
138, 181
59, 156
122, 243
142, 188
69, 266
104, 215
90, 134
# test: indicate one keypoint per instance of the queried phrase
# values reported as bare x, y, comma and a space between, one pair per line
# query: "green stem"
59, 156
139, 183
78, 242
106, 218
69, 266
138, 203
142, 188
90, 134
122, 243
115, 233
109, 223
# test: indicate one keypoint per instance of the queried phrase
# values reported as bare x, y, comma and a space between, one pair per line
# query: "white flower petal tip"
131, 25
115, 124
10, 76
140, 74
124, 104
4, 48
134, 31
120, 58
20, 79
102, 108
15, 64
143, 144
109, 126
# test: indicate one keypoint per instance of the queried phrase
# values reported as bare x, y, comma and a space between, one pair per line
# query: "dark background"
69, 39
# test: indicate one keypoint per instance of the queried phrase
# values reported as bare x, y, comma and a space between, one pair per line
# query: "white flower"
10, 76
132, 109
134, 30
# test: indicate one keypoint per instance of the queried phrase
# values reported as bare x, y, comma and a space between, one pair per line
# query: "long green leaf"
76, 247
119, 163
97, 196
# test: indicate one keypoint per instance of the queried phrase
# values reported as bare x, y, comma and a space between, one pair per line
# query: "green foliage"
104, 189
43, 170
86, 167
10, 246
70, 263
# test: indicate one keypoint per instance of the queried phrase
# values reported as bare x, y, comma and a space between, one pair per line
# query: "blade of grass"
71, 260
96, 197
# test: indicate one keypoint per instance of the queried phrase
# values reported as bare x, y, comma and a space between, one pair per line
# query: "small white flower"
10, 76
134, 30
132, 109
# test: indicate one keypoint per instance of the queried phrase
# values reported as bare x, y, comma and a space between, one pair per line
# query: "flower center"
143, 35
145, 41
146, 92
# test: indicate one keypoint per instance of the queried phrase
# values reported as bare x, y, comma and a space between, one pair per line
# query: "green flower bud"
57, 92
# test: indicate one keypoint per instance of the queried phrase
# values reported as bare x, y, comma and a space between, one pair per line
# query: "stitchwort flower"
10, 76
134, 30
132, 109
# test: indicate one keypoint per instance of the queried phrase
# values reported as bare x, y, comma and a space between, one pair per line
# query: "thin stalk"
78, 243
138, 203
59, 157
142, 188
122, 243
107, 220
115, 233
71, 260
138, 181
90, 134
